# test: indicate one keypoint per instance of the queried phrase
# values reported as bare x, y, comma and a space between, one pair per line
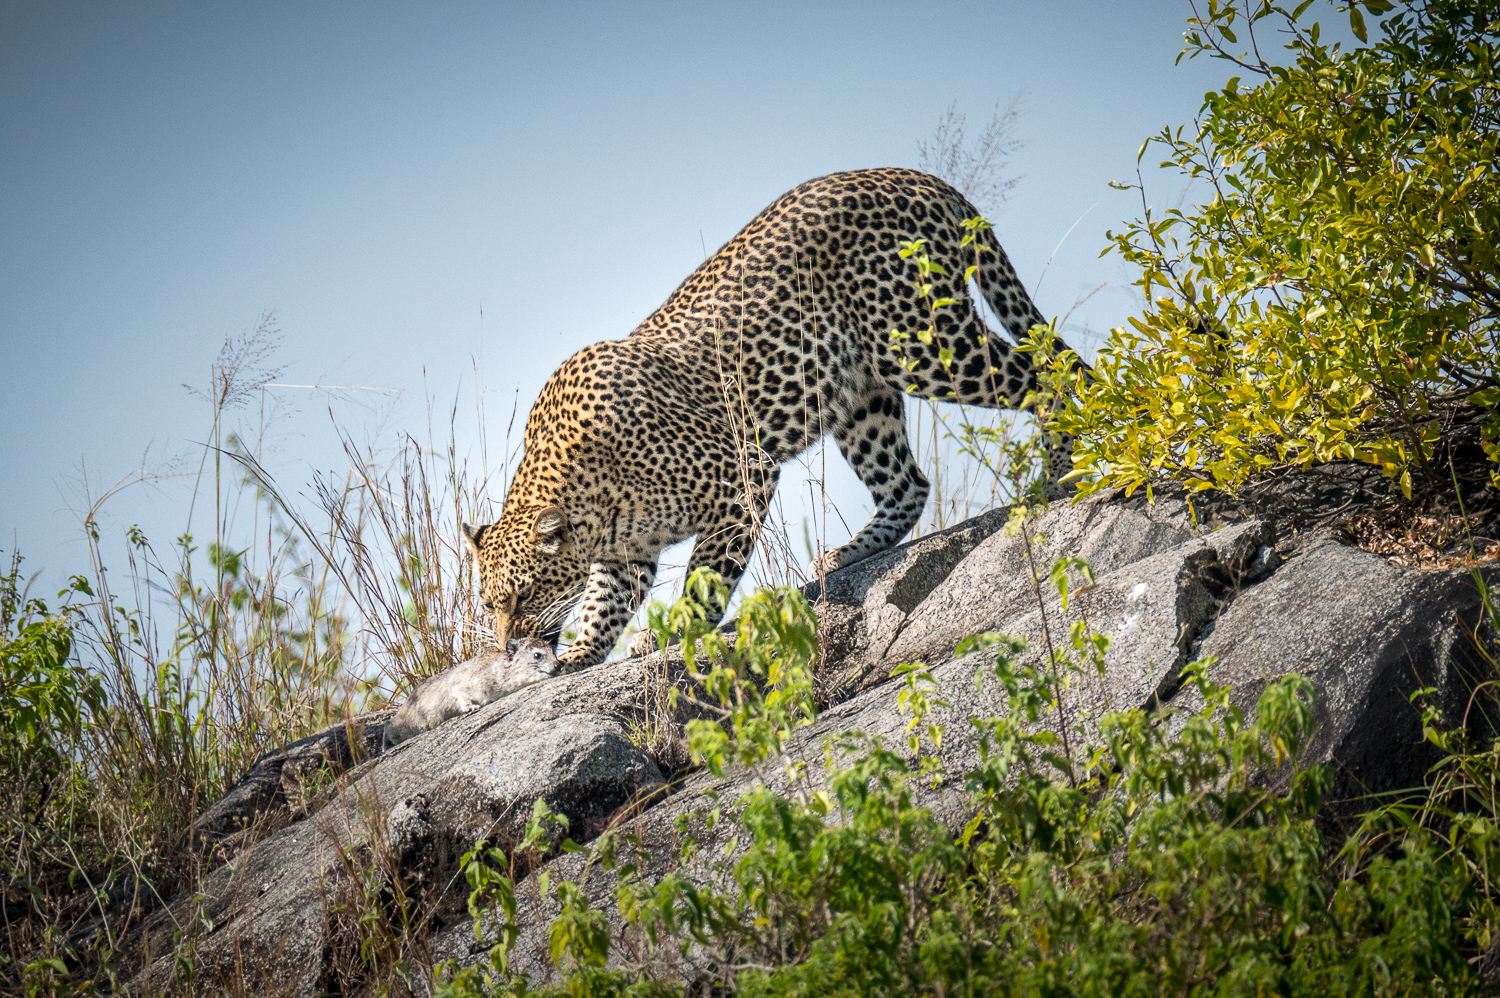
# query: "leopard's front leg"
731, 516
610, 598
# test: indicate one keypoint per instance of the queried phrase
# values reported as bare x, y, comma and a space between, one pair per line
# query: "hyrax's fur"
470, 685
782, 336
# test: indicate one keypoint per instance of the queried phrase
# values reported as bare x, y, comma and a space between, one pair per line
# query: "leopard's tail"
995, 276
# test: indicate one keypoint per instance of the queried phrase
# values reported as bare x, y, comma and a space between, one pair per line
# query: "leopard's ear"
547, 530
474, 535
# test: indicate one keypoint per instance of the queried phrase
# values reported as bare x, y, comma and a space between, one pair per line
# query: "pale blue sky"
381, 174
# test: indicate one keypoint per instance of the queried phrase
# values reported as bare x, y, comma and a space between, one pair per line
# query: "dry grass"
1414, 539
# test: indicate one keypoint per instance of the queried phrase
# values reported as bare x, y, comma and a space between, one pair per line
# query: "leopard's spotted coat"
680, 428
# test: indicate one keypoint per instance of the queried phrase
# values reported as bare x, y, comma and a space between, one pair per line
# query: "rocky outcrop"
1368, 634
1260, 603
282, 912
1261, 588
275, 786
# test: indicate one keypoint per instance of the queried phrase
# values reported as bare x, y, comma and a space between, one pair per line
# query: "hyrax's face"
532, 655
530, 574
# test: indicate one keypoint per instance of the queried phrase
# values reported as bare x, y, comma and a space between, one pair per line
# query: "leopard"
815, 319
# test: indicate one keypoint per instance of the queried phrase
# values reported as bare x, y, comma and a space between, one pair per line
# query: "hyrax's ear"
547, 531
511, 646
473, 534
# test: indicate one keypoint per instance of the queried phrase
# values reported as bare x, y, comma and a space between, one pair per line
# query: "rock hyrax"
470, 685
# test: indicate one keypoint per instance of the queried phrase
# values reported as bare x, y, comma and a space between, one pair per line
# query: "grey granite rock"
1368, 634
280, 904
862, 609
1257, 594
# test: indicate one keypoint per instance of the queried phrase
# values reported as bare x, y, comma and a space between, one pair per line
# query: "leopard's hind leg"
873, 441
998, 376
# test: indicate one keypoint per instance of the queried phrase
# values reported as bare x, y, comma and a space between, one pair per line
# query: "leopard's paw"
641, 643
828, 562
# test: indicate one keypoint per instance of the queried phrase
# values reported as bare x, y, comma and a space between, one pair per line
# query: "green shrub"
47, 702
1341, 280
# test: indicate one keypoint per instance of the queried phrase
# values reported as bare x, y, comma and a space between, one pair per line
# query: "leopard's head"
530, 572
